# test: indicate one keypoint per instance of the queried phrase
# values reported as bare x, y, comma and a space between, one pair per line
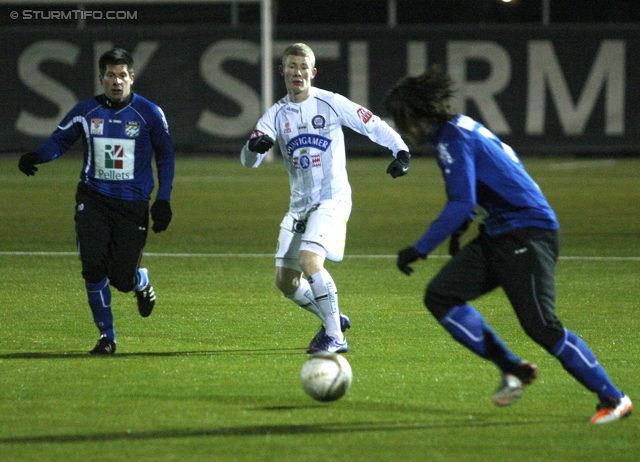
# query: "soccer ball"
326, 376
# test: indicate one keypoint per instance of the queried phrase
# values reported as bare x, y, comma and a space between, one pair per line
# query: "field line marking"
270, 255
573, 165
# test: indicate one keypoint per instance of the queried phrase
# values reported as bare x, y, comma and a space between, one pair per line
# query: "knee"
438, 304
547, 336
286, 285
123, 284
93, 275
310, 262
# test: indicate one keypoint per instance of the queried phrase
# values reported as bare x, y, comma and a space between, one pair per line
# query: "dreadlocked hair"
426, 96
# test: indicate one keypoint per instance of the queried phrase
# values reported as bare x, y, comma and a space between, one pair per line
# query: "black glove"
261, 144
161, 215
406, 257
454, 240
27, 163
400, 165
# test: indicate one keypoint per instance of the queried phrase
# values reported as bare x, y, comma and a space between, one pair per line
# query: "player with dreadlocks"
516, 249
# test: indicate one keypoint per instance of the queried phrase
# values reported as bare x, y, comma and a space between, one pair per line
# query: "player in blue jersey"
120, 132
516, 249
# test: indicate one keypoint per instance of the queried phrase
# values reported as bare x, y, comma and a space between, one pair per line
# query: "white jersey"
311, 141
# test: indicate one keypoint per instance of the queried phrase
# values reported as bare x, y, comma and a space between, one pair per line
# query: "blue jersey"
119, 141
483, 176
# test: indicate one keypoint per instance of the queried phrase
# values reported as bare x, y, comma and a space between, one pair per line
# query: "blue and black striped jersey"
119, 142
484, 177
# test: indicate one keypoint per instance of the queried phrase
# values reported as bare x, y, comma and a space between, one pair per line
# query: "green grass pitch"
213, 374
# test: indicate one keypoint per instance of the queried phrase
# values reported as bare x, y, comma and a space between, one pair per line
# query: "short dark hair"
426, 96
115, 57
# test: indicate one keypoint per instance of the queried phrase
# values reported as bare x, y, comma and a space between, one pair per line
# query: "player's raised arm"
365, 122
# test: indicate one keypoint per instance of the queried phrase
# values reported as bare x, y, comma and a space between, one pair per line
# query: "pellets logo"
114, 156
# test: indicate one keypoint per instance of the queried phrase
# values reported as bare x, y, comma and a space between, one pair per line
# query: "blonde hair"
299, 49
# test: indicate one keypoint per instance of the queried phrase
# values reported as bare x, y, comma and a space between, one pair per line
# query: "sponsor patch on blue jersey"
132, 129
97, 126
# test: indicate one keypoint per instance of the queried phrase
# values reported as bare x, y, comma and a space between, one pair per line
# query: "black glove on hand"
454, 244
454, 240
400, 165
261, 144
161, 215
406, 257
27, 163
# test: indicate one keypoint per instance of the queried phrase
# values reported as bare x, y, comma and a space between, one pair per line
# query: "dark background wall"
561, 83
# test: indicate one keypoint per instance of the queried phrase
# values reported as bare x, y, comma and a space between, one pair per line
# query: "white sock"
326, 297
303, 297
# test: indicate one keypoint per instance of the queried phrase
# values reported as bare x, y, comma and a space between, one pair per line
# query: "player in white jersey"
307, 124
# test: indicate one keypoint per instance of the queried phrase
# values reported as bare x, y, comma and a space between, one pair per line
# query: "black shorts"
111, 234
521, 262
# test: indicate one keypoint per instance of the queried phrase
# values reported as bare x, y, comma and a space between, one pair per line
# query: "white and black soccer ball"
326, 376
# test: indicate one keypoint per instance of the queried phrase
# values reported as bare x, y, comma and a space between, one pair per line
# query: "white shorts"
323, 231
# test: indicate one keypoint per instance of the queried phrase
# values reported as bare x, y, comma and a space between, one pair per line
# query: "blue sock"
469, 328
100, 302
581, 363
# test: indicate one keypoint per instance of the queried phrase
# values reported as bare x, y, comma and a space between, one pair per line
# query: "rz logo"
114, 157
